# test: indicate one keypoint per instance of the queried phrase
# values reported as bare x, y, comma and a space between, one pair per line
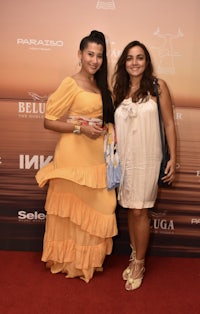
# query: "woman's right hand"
92, 131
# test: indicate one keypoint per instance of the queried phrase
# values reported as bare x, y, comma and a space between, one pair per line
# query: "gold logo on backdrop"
32, 109
40, 44
37, 97
106, 5
166, 51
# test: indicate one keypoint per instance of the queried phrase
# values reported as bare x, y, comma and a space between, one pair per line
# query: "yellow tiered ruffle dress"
81, 217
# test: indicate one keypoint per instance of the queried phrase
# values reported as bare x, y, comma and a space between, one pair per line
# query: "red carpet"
171, 285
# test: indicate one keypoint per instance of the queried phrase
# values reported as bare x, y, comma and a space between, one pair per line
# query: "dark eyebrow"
99, 54
139, 55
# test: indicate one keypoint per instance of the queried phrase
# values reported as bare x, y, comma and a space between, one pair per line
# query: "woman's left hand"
170, 172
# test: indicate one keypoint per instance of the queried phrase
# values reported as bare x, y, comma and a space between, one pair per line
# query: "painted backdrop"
39, 45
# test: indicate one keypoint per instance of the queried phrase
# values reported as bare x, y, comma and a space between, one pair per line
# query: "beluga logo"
37, 97
32, 109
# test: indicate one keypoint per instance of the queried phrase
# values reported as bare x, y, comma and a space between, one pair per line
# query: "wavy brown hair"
121, 80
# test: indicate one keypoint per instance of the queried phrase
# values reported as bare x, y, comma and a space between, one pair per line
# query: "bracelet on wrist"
77, 129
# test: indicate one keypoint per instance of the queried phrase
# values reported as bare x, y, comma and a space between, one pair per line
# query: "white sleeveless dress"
139, 145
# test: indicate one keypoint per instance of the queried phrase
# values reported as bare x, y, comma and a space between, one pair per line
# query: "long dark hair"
101, 76
121, 80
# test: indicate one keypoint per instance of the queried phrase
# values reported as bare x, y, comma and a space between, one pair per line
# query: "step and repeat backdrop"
39, 46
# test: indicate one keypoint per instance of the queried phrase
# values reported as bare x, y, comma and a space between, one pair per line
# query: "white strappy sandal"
127, 271
135, 283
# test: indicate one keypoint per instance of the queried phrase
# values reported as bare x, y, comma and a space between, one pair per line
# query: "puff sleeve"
59, 103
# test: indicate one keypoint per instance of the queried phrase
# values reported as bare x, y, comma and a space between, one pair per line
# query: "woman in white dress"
139, 144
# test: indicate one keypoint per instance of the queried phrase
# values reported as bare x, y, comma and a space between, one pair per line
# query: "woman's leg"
127, 271
139, 231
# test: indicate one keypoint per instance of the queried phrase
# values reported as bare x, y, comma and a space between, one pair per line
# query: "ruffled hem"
91, 176
83, 257
76, 260
65, 205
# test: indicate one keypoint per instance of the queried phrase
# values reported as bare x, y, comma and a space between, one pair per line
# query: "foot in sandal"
127, 271
135, 275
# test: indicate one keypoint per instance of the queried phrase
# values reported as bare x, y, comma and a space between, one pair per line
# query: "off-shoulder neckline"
86, 91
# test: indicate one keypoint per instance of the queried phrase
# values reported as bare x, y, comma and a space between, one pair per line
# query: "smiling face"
91, 58
135, 62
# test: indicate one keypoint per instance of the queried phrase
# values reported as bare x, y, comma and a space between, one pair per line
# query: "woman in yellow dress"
80, 209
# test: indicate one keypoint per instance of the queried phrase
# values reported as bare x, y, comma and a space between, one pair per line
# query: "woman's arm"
91, 131
58, 126
169, 125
